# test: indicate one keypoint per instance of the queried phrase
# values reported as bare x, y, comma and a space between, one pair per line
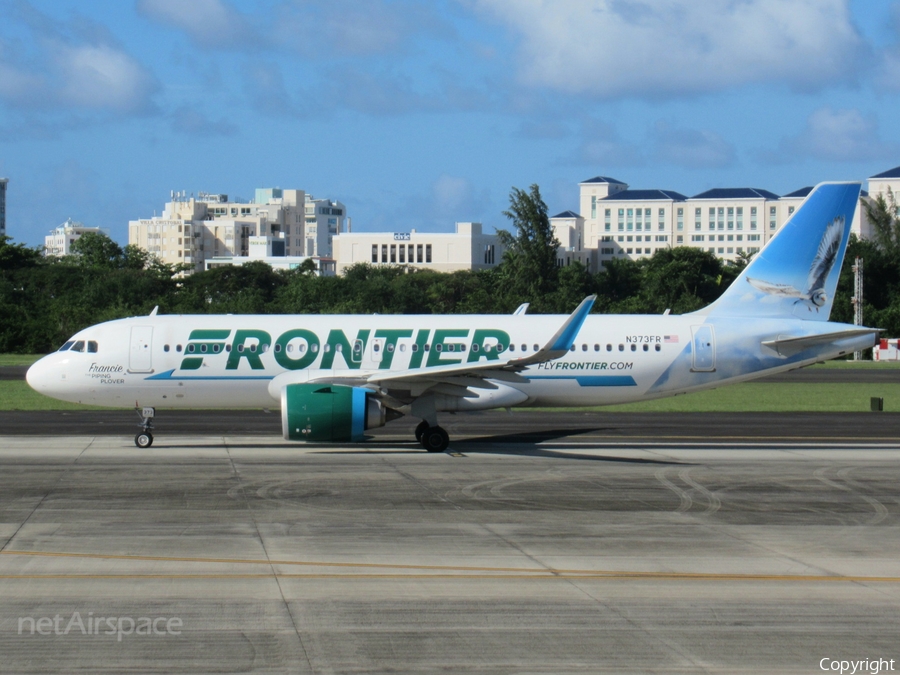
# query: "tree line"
44, 300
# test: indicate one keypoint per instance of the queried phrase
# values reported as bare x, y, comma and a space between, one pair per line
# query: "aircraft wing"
788, 346
499, 369
452, 379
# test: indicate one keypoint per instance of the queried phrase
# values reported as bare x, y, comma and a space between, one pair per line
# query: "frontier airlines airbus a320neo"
334, 377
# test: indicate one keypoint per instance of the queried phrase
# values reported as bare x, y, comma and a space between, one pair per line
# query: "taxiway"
564, 552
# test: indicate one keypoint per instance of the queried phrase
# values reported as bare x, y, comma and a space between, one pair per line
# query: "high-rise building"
194, 230
3, 184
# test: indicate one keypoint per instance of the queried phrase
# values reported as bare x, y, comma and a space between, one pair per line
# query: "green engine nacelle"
328, 412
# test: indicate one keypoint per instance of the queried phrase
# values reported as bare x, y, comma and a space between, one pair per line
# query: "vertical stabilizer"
796, 274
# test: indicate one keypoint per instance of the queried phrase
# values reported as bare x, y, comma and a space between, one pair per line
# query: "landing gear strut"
144, 439
433, 439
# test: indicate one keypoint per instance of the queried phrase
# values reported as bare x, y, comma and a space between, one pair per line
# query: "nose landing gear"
144, 439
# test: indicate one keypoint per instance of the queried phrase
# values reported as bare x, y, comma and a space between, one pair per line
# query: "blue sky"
420, 114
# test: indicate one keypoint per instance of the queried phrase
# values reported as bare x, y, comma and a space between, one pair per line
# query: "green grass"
17, 395
747, 397
780, 397
18, 359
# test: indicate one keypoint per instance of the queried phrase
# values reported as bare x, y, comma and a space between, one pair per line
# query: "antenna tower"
857, 298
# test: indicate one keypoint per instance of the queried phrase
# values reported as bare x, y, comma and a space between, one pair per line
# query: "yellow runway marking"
598, 575
415, 571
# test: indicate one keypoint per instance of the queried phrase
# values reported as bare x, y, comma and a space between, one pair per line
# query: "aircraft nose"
37, 376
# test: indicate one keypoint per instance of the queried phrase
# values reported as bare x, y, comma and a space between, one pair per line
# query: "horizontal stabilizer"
788, 346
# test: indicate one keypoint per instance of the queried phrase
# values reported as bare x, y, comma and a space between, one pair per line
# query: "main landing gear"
432, 438
144, 439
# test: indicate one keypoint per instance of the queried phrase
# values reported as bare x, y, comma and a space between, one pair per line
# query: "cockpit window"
78, 346
92, 346
66, 346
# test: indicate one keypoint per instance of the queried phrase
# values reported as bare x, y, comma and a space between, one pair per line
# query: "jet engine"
329, 412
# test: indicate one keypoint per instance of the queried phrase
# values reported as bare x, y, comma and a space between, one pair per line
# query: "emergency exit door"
140, 357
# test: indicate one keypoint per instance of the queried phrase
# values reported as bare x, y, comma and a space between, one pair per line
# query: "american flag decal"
670, 338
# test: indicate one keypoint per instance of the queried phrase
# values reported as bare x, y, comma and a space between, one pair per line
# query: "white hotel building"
194, 230
728, 222
59, 241
466, 249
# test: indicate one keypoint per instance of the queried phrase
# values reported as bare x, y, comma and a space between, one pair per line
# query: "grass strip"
746, 397
18, 359
17, 395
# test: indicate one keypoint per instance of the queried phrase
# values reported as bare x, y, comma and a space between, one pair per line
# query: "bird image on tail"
814, 296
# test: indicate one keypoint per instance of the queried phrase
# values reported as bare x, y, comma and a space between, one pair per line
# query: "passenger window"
475, 348
415, 347
402, 348
290, 347
512, 348
178, 348
278, 348
203, 348
596, 348
314, 348
572, 348
165, 348
253, 348
216, 348
240, 348
609, 348
658, 348
78, 346
634, 348
390, 347
584, 347
375, 347
646, 348
621, 348
536, 347
66, 346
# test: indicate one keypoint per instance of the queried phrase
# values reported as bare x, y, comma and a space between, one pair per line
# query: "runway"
521, 427
567, 552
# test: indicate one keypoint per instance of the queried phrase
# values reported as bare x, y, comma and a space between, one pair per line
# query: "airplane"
336, 377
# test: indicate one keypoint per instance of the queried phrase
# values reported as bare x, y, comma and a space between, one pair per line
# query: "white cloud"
62, 68
210, 23
839, 135
99, 76
612, 48
692, 148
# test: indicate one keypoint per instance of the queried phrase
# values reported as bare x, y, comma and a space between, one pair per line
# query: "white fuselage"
199, 361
